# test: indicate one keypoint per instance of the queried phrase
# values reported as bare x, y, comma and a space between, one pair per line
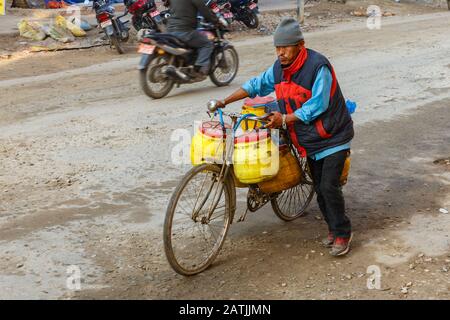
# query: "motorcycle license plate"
155, 13
228, 15
146, 48
252, 6
105, 23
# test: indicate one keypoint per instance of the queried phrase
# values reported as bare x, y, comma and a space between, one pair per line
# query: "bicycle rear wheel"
192, 240
292, 203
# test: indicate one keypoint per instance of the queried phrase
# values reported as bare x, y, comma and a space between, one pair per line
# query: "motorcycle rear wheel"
150, 78
251, 20
227, 66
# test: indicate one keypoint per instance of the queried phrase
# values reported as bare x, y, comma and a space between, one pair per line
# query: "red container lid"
258, 101
253, 136
213, 129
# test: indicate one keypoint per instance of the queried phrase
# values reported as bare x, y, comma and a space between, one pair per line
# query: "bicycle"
204, 203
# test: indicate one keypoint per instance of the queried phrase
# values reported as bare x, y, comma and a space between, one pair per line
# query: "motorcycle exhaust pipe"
174, 72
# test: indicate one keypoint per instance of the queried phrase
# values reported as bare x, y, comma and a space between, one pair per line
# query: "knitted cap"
288, 33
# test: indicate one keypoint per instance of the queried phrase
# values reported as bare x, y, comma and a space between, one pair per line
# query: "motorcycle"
245, 11
115, 30
167, 61
221, 9
145, 15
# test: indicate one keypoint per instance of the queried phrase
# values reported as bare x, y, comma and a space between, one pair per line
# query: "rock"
420, 255
442, 210
283, 284
19, 265
444, 269
428, 260
318, 217
404, 290
358, 13
409, 284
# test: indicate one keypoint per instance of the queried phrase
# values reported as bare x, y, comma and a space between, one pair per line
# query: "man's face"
288, 54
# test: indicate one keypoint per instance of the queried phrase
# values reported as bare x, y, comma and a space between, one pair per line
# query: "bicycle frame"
236, 119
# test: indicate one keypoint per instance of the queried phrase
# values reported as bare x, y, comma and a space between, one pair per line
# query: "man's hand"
220, 104
275, 121
236, 96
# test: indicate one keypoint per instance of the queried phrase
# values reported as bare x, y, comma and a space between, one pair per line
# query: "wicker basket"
289, 176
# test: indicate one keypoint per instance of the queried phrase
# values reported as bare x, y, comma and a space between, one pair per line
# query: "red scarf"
296, 65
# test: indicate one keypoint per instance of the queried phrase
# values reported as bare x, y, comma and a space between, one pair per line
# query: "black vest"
294, 87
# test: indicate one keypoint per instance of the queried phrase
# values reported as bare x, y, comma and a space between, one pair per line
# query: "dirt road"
86, 176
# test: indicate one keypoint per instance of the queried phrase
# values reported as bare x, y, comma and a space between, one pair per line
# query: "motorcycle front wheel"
115, 42
225, 67
153, 80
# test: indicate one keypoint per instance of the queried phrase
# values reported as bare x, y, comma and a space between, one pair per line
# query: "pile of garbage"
60, 30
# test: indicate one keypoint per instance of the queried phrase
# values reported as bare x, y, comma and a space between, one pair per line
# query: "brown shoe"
341, 246
328, 241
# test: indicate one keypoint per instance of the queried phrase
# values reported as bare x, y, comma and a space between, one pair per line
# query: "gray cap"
288, 33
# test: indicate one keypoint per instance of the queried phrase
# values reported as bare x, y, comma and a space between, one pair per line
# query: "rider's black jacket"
184, 15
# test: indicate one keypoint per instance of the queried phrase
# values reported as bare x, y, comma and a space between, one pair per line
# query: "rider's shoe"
195, 74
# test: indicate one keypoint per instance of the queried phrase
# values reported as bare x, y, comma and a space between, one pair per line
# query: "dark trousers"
326, 174
197, 41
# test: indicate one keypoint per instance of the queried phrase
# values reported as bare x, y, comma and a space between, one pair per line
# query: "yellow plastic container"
256, 106
255, 157
208, 143
289, 175
252, 124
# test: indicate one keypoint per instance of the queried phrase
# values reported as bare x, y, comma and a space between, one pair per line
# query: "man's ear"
301, 43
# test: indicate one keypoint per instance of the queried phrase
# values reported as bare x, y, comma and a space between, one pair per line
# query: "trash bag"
31, 30
74, 29
83, 24
58, 33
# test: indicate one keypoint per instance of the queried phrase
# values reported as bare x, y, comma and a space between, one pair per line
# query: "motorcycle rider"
183, 24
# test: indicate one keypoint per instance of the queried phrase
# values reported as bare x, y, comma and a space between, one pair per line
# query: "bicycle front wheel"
197, 219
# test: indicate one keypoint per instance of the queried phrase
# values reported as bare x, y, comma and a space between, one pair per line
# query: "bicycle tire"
168, 233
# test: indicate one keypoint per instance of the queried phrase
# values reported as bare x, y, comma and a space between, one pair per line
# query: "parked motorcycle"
221, 9
115, 30
245, 11
167, 61
145, 15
